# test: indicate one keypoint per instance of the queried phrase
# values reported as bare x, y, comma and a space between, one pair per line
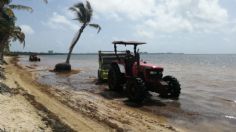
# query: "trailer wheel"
135, 89
173, 90
114, 78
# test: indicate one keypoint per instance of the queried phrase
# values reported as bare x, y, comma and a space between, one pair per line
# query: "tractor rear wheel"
173, 90
136, 89
115, 78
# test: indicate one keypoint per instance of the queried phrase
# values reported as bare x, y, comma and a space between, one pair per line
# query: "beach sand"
30, 106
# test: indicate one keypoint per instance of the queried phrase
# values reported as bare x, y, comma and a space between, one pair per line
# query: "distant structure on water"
50, 52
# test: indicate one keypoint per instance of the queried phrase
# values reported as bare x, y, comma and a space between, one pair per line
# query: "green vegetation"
9, 31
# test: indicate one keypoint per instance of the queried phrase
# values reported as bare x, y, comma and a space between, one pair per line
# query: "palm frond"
88, 5
78, 19
21, 38
17, 29
79, 15
4, 25
89, 11
80, 7
17, 34
80, 11
96, 26
8, 14
74, 9
6, 1
21, 7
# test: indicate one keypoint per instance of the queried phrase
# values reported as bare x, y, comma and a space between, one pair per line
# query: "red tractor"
137, 77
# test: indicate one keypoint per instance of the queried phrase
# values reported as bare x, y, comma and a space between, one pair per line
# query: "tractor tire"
173, 90
136, 90
115, 78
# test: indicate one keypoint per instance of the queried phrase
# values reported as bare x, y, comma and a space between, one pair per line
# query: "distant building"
50, 51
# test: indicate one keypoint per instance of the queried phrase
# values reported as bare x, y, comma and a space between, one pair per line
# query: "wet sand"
62, 113
83, 110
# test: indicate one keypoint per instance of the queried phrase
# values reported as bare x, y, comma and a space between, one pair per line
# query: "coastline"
80, 111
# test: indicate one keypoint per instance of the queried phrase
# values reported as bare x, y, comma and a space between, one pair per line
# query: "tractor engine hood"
150, 66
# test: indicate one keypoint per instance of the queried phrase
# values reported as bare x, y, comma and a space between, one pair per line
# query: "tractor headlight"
155, 74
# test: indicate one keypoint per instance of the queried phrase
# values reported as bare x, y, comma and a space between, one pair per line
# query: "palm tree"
7, 15
84, 13
16, 6
7, 22
15, 35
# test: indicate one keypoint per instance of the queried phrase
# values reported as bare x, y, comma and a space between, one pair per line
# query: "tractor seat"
129, 61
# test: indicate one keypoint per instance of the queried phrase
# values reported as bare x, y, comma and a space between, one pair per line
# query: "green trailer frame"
105, 58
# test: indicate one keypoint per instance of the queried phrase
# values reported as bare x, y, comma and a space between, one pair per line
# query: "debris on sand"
2, 76
4, 88
51, 120
48, 117
2, 130
230, 117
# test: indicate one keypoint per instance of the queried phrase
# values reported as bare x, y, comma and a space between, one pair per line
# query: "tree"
84, 13
15, 35
7, 22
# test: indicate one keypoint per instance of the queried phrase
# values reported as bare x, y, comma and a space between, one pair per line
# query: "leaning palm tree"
84, 13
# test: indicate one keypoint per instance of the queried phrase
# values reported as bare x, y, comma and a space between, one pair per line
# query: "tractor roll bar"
134, 43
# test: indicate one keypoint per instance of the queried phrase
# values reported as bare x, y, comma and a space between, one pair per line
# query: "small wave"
230, 117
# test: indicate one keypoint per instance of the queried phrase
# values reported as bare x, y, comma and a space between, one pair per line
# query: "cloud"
132, 9
167, 15
145, 33
58, 21
27, 29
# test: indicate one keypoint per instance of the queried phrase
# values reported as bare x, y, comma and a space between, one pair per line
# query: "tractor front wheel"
135, 89
173, 90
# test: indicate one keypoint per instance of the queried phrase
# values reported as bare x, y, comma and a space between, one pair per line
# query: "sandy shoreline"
39, 107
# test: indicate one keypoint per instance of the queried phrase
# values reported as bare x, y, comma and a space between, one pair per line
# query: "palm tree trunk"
1, 57
2, 45
1, 53
74, 41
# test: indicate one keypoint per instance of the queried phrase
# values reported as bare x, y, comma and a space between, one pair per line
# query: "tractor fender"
120, 66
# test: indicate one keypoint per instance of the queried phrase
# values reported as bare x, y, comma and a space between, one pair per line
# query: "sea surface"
208, 82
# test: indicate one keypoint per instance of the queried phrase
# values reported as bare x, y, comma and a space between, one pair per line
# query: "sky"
177, 26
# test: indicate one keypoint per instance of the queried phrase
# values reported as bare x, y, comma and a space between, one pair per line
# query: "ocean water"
208, 82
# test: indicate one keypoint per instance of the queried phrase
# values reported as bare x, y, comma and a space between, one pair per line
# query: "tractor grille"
154, 74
